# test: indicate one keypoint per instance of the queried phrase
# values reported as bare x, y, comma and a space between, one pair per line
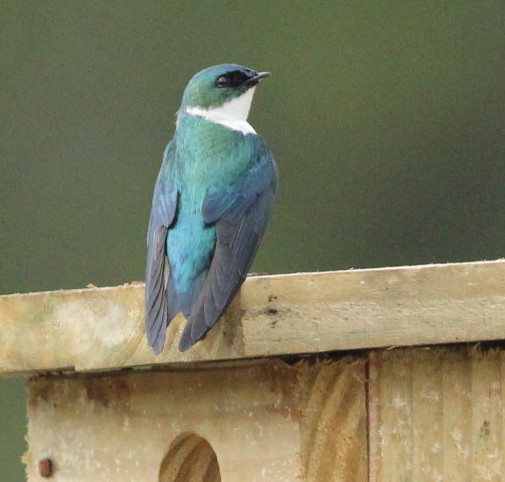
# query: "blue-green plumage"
210, 206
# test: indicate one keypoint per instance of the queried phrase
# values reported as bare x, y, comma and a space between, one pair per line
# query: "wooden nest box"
341, 376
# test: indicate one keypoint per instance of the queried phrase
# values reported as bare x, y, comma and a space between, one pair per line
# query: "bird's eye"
222, 81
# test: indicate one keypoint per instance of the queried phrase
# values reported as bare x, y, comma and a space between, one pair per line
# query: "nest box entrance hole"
190, 457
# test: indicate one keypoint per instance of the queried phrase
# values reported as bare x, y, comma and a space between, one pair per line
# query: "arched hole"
190, 458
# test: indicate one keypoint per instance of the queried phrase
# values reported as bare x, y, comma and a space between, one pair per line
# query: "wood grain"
440, 415
102, 328
243, 421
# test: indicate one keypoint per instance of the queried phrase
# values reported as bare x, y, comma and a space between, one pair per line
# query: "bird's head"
227, 86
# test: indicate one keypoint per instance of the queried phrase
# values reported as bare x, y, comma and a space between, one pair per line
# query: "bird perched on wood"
210, 207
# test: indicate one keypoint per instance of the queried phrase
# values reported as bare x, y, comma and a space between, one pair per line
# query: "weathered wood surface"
437, 414
241, 421
418, 414
102, 328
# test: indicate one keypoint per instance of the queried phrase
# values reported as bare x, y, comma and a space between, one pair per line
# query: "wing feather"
240, 215
163, 212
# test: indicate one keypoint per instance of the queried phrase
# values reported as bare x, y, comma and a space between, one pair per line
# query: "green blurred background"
386, 119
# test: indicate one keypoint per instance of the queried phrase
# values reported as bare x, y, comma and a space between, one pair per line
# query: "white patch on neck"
232, 114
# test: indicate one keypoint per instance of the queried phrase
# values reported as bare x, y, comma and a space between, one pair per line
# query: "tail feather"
183, 302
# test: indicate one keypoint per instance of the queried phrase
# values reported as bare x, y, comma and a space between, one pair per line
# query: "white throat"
232, 114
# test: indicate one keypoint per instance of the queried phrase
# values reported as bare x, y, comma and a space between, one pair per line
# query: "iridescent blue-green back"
210, 208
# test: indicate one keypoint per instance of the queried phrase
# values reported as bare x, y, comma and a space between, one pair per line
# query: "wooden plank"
334, 436
261, 420
440, 415
102, 329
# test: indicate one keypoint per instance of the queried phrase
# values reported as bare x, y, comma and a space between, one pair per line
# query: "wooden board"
418, 414
437, 414
241, 421
102, 329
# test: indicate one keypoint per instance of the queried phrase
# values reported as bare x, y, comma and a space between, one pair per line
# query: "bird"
211, 203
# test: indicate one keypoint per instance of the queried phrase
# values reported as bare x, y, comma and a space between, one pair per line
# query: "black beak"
257, 77
261, 75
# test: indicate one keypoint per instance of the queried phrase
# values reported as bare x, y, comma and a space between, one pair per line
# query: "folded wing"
240, 212
162, 216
